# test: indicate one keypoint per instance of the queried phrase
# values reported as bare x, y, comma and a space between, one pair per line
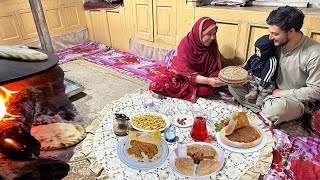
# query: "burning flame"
12, 143
5, 95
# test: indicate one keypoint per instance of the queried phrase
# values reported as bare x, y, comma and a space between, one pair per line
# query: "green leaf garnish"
218, 126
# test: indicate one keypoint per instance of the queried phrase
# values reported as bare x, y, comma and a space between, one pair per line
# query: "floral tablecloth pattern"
105, 142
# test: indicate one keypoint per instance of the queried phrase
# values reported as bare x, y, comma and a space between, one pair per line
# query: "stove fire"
5, 95
31, 93
16, 141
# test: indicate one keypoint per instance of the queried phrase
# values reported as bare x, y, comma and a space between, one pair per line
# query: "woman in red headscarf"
194, 69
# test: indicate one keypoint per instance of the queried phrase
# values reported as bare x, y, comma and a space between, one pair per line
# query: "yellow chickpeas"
148, 122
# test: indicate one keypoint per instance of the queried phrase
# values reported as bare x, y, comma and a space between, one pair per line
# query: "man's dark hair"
286, 17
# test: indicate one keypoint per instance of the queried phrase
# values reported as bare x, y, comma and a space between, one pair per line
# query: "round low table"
236, 165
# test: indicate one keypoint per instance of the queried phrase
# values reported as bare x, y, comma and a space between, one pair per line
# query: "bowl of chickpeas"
149, 121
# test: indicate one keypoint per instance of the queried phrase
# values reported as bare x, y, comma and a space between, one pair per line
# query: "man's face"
278, 36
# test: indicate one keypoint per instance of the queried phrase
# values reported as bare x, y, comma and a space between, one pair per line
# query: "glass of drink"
170, 134
199, 130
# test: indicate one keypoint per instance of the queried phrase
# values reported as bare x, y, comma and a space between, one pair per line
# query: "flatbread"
254, 135
19, 53
207, 166
58, 135
237, 120
185, 165
239, 133
233, 75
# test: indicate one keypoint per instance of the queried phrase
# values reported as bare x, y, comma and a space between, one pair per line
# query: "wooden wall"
239, 28
156, 23
163, 24
17, 25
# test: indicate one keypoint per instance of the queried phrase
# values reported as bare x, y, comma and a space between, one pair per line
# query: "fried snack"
209, 152
143, 148
137, 148
148, 122
207, 166
185, 165
193, 149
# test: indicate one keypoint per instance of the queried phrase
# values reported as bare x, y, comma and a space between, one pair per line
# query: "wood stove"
31, 93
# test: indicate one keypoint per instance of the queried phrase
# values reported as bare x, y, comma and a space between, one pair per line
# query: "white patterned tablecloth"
106, 142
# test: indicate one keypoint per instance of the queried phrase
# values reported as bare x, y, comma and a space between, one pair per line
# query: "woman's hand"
215, 82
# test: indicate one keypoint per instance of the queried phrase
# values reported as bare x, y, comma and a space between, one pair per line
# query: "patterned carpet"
296, 154
124, 62
297, 150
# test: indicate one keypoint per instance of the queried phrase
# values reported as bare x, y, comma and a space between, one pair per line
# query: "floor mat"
296, 154
123, 62
76, 52
128, 63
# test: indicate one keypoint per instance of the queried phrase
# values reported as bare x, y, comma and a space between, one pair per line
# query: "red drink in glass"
199, 130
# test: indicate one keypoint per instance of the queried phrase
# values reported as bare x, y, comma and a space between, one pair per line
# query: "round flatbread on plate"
244, 149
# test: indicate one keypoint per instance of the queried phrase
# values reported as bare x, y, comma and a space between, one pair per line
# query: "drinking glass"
199, 130
170, 134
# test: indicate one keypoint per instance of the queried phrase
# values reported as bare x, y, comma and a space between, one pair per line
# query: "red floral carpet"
296, 154
127, 63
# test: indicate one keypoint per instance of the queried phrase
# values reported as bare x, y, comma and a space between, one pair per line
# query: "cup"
149, 104
169, 134
199, 130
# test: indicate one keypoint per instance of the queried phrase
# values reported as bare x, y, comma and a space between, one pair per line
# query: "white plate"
166, 119
245, 150
188, 121
173, 156
142, 165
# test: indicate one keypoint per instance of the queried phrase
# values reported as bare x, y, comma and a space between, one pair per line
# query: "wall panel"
26, 21
9, 30
254, 32
315, 35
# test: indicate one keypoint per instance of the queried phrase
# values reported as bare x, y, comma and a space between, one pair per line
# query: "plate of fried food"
182, 120
238, 134
143, 150
197, 159
149, 121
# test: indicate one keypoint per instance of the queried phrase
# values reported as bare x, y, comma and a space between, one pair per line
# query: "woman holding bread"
194, 68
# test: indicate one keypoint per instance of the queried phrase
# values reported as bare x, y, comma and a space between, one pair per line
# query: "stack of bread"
207, 164
233, 75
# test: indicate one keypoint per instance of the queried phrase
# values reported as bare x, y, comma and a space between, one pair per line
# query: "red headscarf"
192, 56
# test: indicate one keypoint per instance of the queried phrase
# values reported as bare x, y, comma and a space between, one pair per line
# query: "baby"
261, 67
